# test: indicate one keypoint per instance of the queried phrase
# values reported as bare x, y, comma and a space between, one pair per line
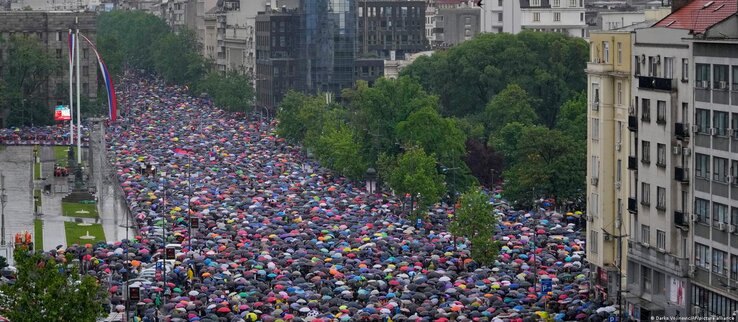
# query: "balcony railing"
633, 123
681, 130
656, 83
680, 220
632, 163
632, 205
681, 174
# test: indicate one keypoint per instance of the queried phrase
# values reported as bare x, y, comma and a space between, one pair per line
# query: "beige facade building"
608, 79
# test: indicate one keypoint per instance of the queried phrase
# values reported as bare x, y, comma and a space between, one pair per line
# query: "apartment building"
609, 85
714, 278
455, 21
501, 16
277, 57
564, 16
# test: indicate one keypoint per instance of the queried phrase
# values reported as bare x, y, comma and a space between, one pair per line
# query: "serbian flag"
112, 99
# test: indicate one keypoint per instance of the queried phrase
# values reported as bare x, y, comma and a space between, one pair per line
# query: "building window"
594, 202
606, 52
85, 88
719, 262
637, 65
499, 3
702, 256
661, 198
702, 166
645, 151
581, 18
645, 110
645, 194
734, 267
720, 122
499, 16
652, 66
556, 3
59, 36
702, 210
572, 3
661, 155
735, 79
660, 239
595, 167
720, 77
719, 213
557, 16
685, 69
618, 170
58, 53
535, 3
703, 75
668, 67
702, 118
620, 53
595, 129
645, 234
536, 16
595, 241
661, 112
84, 52
86, 70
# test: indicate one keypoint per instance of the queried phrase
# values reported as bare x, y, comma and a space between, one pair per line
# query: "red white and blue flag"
112, 99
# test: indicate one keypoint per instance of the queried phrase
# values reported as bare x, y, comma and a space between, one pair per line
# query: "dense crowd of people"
278, 238
41, 135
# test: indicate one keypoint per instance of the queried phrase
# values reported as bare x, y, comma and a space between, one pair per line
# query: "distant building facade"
391, 25
563, 16
52, 28
455, 21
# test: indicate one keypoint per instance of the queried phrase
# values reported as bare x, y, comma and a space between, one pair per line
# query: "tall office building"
388, 28
609, 78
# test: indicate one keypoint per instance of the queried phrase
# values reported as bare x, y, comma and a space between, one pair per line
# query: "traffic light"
133, 294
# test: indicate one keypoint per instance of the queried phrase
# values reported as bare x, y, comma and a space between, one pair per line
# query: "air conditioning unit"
730, 132
735, 181
732, 229
728, 179
695, 128
721, 226
595, 180
713, 131
695, 218
617, 146
658, 59
596, 105
687, 152
677, 149
722, 85
704, 84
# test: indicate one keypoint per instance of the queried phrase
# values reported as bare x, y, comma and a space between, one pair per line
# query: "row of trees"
134, 39
394, 125
520, 100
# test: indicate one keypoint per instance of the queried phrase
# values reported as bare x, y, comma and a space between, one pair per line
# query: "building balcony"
599, 67
655, 83
633, 123
680, 219
632, 163
681, 174
633, 205
681, 130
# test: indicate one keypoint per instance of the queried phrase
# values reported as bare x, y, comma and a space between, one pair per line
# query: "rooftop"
699, 15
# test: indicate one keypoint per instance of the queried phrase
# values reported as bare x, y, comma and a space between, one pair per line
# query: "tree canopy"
414, 173
47, 290
233, 93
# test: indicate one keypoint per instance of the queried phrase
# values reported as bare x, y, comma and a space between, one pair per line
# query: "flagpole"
79, 119
71, 92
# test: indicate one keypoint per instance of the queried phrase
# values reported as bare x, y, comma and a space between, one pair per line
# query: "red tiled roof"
699, 15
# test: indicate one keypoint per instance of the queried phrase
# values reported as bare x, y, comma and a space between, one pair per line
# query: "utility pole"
3, 200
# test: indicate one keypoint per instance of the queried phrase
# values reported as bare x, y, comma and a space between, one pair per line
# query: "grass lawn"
71, 209
38, 234
37, 171
74, 231
60, 154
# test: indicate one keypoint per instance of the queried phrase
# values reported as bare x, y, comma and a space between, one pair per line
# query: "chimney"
678, 4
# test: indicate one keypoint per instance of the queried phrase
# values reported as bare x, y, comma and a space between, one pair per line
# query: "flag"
71, 46
112, 99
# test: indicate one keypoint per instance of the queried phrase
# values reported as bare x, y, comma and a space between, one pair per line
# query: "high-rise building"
387, 26
277, 32
608, 183
455, 21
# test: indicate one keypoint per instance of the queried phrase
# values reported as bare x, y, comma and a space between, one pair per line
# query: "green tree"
301, 117
46, 290
233, 92
413, 172
505, 141
548, 163
338, 148
475, 220
189, 66
129, 39
435, 134
510, 105
27, 70
573, 117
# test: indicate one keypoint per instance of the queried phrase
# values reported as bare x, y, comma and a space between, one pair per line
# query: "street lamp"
3, 200
371, 180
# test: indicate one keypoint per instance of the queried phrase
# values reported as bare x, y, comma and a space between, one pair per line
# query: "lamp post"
371, 180
3, 200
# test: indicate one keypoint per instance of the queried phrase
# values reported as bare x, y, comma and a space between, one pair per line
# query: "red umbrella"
224, 309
